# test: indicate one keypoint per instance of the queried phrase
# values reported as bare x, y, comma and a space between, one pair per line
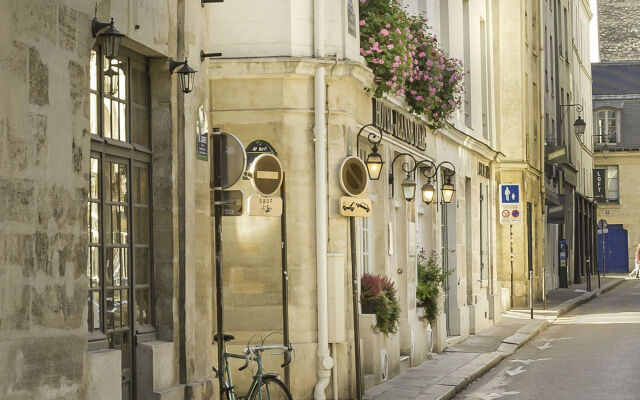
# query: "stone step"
405, 363
170, 393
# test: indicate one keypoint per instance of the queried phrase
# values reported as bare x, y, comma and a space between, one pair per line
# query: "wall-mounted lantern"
110, 37
447, 191
408, 187
186, 74
374, 160
428, 192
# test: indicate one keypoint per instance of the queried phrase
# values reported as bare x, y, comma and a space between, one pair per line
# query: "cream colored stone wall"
626, 213
45, 148
520, 139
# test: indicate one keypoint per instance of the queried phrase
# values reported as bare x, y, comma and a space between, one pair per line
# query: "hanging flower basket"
407, 61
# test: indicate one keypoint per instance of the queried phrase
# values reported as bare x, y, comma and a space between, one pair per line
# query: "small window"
611, 184
607, 127
364, 232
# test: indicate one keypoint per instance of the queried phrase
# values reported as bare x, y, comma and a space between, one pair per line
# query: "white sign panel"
510, 205
265, 206
355, 207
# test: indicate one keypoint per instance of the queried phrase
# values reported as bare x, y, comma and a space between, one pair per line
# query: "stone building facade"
616, 113
107, 263
519, 71
103, 208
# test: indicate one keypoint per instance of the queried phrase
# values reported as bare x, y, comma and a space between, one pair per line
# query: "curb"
520, 338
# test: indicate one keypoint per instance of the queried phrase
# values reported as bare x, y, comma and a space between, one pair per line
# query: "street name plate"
265, 206
355, 207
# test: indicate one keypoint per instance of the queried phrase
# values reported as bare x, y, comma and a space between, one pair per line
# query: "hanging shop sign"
355, 207
257, 147
353, 176
599, 184
266, 174
510, 205
233, 159
401, 125
264, 206
202, 135
232, 203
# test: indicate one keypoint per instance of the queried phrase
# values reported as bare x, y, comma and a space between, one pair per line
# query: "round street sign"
266, 174
353, 176
232, 158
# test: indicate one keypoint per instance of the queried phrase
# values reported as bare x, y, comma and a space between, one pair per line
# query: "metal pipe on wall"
325, 362
285, 278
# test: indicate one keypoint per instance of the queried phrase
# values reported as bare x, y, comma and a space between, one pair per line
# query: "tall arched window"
607, 126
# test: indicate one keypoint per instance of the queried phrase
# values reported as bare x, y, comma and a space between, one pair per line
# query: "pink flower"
419, 98
432, 91
362, 22
388, 25
422, 54
398, 30
413, 92
389, 46
384, 32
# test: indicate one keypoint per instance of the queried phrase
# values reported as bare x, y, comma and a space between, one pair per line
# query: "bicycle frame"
257, 377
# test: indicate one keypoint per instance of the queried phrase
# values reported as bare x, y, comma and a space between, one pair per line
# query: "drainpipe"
325, 362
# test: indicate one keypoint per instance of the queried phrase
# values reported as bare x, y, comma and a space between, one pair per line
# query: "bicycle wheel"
272, 389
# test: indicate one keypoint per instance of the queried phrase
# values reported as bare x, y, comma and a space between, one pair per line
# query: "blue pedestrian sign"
510, 207
510, 194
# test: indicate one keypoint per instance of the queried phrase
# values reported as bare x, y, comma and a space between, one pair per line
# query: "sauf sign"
510, 205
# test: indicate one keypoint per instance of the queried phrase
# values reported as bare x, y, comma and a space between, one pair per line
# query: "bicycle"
264, 386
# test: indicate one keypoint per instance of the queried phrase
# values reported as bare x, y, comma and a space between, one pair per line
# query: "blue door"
616, 245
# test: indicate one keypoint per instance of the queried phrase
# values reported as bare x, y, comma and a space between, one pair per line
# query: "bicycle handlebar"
250, 350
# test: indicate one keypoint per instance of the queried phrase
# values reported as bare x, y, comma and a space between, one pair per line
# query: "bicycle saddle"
225, 337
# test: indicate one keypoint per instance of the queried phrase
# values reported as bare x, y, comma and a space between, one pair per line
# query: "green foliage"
431, 277
380, 292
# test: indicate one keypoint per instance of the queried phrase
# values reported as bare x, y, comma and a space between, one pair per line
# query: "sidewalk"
446, 374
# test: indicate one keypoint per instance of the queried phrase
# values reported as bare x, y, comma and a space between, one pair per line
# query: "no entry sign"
266, 174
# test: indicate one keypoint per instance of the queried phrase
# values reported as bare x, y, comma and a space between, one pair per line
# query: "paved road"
591, 353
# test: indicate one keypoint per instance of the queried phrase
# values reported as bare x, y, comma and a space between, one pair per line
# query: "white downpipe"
325, 362
318, 31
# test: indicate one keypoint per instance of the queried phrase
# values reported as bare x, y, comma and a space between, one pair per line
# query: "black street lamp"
186, 74
579, 126
374, 160
408, 187
447, 190
110, 37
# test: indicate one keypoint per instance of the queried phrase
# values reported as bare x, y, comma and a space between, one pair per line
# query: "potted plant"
379, 297
431, 277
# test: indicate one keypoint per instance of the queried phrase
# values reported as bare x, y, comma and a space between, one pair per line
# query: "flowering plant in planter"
407, 60
434, 89
431, 277
379, 293
386, 43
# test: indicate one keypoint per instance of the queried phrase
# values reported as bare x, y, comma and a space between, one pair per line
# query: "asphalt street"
591, 353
